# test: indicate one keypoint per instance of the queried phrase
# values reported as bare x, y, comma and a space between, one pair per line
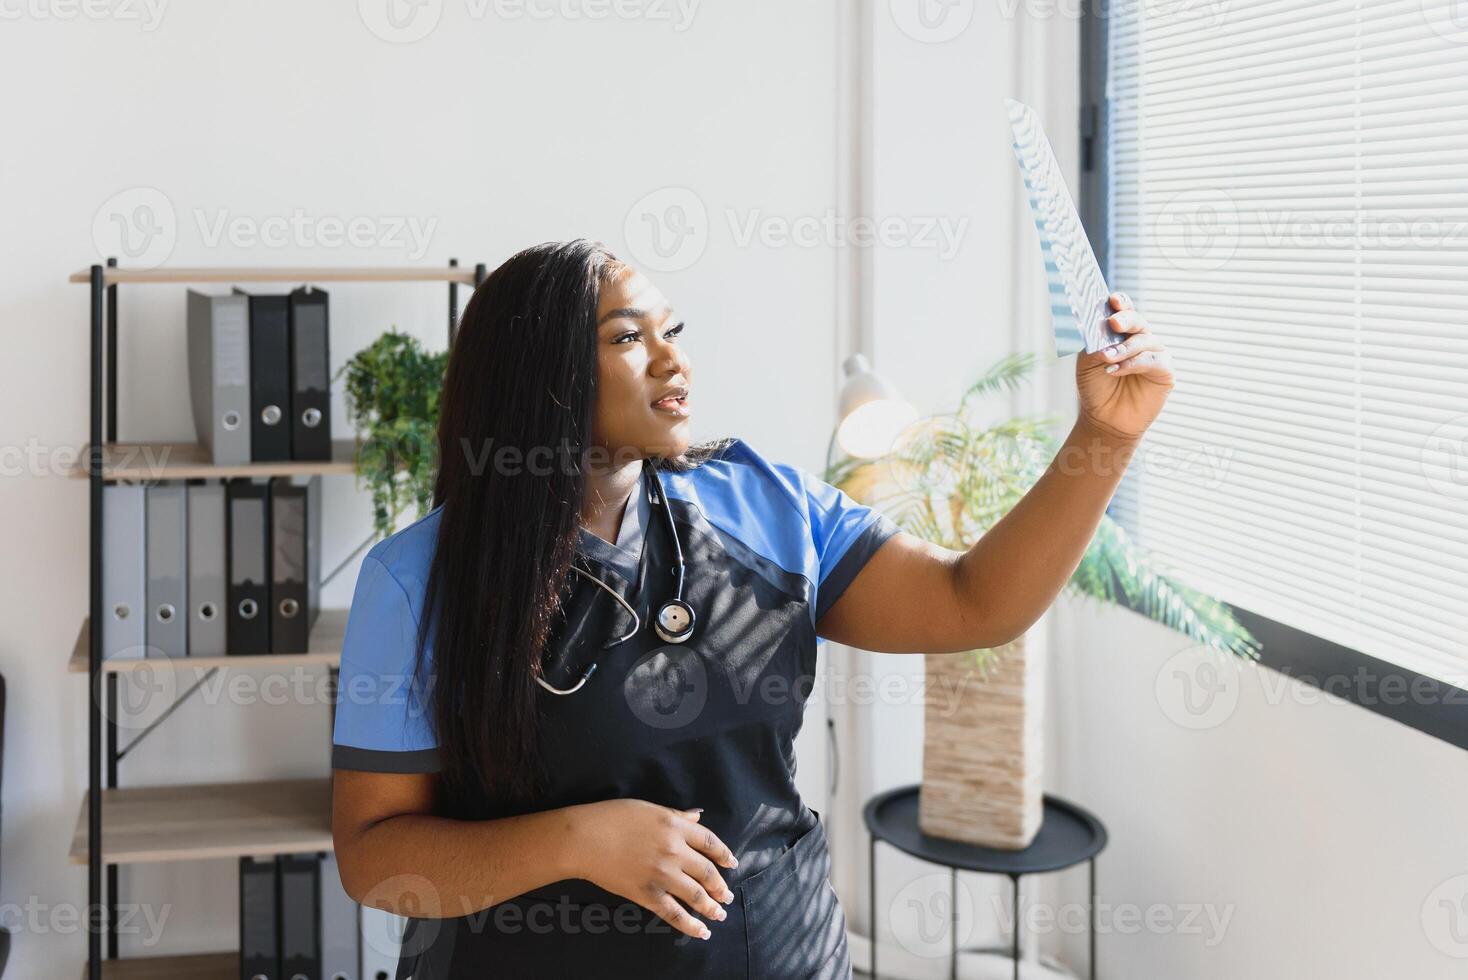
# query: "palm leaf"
949, 480
1007, 374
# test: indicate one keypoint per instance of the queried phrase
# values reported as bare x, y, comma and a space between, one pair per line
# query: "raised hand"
1122, 388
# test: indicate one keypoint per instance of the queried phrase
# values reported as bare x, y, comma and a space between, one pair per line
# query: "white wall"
1322, 837
942, 151
1316, 832
497, 132
1324, 827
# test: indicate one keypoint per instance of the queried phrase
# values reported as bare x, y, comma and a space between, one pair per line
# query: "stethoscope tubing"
668, 613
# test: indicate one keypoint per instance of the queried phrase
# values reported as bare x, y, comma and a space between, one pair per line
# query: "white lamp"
872, 412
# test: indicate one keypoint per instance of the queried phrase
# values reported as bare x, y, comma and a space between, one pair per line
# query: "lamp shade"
872, 412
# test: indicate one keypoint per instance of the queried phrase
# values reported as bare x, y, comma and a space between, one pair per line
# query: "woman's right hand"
662, 859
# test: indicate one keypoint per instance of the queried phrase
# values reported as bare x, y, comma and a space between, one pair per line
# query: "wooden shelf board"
209, 820
323, 648
194, 966
144, 462
287, 274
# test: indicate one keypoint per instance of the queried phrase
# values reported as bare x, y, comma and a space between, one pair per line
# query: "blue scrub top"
769, 549
765, 513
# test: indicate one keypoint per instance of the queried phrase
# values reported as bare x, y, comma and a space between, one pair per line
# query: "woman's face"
643, 406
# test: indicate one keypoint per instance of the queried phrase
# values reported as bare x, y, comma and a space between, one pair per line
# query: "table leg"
1092, 864
953, 913
872, 902
1015, 947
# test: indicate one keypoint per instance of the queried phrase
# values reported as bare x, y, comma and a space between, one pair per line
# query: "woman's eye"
632, 335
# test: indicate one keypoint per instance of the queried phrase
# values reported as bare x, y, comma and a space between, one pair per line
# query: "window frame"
1431, 706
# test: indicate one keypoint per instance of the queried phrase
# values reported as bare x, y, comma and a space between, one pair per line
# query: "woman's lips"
676, 407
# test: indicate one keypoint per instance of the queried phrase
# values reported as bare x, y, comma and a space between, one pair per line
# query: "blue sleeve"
382, 721
844, 534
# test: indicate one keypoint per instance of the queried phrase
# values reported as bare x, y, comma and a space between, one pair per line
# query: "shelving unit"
199, 966
452, 274
189, 822
210, 820
323, 648
137, 462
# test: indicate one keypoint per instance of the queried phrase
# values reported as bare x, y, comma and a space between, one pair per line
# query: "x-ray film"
1078, 290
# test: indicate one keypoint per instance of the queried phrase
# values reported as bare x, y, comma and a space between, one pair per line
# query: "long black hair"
514, 429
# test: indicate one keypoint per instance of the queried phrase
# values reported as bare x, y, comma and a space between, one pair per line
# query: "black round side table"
1068, 835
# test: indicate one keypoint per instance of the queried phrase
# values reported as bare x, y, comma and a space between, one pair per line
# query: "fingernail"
721, 915
1111, 368
697, 809
704, 934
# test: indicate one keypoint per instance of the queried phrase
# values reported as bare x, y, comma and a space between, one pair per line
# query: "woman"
580, 763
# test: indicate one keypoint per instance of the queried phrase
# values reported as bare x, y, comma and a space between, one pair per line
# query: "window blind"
1288, 203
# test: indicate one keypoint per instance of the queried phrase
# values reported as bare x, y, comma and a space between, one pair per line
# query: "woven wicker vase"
983, 743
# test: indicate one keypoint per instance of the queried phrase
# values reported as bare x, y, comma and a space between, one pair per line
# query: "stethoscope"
675, 618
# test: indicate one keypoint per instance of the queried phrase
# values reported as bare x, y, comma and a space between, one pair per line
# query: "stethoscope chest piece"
674, 622
675, 619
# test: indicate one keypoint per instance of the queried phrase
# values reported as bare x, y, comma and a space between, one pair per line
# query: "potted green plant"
949, 479
392, 390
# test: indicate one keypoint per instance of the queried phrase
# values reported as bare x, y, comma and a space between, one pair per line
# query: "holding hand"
1123, 387
658, 857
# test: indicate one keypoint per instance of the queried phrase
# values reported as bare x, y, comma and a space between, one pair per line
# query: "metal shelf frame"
102, 748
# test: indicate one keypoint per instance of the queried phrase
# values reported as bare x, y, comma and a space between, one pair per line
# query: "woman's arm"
916, 596
394, 854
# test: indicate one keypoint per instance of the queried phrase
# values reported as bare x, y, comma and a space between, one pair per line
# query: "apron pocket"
794, 927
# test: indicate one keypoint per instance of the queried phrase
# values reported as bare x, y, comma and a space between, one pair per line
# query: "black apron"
708, 723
